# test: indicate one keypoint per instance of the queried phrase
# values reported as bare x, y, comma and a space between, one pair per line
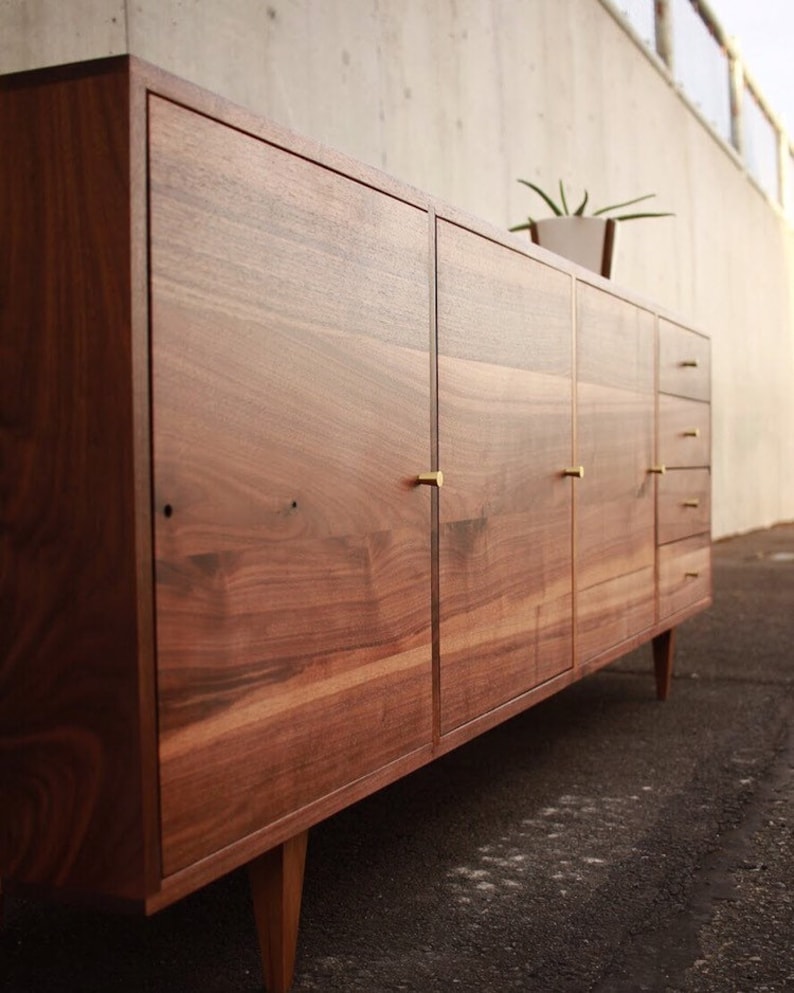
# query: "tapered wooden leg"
663, 654
276, 880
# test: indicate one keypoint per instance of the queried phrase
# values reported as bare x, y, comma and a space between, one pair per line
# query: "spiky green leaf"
634, 217
626, 203
544, 196
563, 201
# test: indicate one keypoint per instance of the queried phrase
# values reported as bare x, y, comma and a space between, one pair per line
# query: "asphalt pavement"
600, 842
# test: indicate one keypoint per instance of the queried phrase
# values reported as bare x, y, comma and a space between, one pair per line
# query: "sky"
764, 34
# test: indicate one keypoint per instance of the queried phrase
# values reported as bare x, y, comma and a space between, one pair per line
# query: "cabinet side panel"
290, 330
505, 431
70, 786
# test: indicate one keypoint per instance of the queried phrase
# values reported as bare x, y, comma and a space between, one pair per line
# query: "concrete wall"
460, 97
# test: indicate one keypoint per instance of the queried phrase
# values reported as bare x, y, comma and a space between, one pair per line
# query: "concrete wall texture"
459, 98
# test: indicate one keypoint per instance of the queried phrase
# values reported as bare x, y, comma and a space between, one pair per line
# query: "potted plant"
588, 239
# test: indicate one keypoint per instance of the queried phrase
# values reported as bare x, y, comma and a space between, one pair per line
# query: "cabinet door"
505, 434
614, 512
290, 358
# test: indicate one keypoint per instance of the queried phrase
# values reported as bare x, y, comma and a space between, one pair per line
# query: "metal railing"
706, 64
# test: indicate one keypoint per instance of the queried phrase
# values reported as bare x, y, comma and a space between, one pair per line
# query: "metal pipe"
736, 93
663, 31
783, 167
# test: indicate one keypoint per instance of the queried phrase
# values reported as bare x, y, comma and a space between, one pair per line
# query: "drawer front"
684, 362
684, 432
684, 504
684, 574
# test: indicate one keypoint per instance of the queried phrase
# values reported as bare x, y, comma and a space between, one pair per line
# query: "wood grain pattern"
71, 736
292, 407
505, 395
683, 504
615, 508
614, 611
684, 362
684, 432
684, 574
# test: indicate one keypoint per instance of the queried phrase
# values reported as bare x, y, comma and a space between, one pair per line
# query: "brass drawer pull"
692, 433
690, 363
576, 470
660, 470
691, 503
692, 574
431, 478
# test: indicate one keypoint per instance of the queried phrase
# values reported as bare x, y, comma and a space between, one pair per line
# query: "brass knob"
660, 470
576, 470
692, 433
431, 478
691, 503
690, 363
692, 575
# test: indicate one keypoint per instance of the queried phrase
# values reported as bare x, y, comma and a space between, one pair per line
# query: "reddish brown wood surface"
614, 511
614, 611
684, 504
290, 334
684, 574
276, 880
504, 384
73, 746
293, 409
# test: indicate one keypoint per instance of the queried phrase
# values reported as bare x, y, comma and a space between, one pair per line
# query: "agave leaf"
544, 196
633, 217
522, 227
626, 203
579, 212
563, 200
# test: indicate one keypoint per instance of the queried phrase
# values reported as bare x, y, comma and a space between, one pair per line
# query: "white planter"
589, 241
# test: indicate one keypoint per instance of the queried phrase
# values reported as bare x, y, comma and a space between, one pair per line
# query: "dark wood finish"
230, 482
683, 504
614, 519
663, 658
76, 750
292, 415
276, 880
504, 386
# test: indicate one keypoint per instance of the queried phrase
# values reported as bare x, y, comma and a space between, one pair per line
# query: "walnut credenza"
236, 597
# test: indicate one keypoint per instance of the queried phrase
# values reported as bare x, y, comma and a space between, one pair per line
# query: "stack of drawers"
684, 488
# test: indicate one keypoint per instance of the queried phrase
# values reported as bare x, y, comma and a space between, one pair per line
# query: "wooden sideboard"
235, 595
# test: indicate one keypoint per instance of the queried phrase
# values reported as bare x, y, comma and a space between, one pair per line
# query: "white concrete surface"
460, 97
